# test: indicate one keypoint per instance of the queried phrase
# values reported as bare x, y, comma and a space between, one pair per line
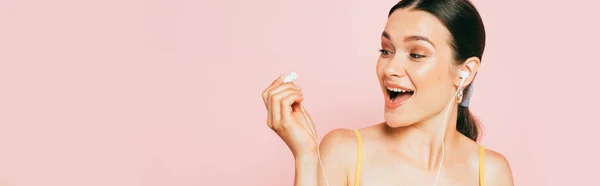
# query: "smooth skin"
406, 148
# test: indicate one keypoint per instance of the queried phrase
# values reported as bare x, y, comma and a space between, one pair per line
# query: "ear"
471, 66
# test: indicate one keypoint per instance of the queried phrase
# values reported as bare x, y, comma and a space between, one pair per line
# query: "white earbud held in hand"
290, 78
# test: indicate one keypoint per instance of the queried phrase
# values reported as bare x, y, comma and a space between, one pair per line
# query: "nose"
395, 68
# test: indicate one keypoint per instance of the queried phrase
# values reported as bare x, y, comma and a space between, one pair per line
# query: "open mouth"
398, 95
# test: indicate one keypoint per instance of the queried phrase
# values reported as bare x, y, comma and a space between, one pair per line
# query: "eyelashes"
416, 56
387, 53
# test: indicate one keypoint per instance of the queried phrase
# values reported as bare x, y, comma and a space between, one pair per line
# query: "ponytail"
467, 124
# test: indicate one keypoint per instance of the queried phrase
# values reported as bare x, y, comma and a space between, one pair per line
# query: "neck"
422, 141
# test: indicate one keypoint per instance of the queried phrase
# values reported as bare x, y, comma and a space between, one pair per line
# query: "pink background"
155, 93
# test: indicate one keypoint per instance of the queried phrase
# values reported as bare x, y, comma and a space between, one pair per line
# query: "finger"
276, 106
274, 90
288, 102
284, 86
266, 100
269, 121
277, 81
279, 88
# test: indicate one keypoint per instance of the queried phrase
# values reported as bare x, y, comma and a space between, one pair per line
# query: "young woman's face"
416, 68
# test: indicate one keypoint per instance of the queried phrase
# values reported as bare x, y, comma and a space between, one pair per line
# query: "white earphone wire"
291, 78
463, 78
316, 141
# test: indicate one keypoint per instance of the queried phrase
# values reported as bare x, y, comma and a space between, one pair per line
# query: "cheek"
429, 80
425, 75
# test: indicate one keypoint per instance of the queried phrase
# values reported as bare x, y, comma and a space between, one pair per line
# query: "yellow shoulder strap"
481, 163
359, 159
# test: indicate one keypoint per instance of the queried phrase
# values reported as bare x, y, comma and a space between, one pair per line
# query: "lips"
396, 95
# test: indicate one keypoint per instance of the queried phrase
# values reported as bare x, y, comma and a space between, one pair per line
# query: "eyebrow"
386, 35
410, 38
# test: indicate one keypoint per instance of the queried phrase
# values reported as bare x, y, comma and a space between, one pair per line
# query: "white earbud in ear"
290, 78
464, 74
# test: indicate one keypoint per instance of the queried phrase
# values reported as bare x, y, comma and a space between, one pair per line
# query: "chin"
395, 120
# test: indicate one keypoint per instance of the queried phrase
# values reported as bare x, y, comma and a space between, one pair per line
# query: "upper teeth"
397, 90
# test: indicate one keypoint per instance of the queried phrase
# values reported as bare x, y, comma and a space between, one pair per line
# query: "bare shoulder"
497, 169
338, 152
339, 141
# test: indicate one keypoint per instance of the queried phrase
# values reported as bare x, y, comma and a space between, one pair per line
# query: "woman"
426, 45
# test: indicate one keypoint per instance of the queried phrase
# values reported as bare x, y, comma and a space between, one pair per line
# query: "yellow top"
359, 161
481, 155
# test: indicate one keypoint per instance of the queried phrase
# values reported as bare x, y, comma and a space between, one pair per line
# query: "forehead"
403, 23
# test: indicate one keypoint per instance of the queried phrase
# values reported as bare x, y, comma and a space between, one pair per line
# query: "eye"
416, 56
385, 53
